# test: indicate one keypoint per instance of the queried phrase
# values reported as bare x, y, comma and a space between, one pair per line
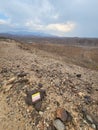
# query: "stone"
18, 66
24, 80
48, 108
90, 120
58, 124
81, 94
89, 89
51, 127
63, 115
40, 113
35, 98
87, 117
78, 75
7, 87
11, 81
4, 70
38, 105
28, 98
29, 109
94, 126
40, 85
21, 74
87, 99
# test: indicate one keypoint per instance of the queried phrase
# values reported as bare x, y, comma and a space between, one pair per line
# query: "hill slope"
43, 70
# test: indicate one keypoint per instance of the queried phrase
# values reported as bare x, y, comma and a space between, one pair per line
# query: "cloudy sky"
57, 17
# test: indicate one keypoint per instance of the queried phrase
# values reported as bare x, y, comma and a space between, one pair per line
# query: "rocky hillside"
40, 91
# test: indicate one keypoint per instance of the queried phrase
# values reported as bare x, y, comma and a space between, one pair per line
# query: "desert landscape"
61, 72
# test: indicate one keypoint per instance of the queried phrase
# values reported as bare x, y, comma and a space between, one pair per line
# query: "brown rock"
64, 115
30, 109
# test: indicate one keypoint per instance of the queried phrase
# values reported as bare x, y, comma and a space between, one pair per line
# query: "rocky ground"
68, 93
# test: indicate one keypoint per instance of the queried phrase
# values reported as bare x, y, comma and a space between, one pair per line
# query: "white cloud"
60, 27
2, 21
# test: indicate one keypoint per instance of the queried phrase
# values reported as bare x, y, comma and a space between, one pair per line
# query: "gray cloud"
50, 16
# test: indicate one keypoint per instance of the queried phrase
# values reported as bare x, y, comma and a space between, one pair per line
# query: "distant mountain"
28, 34
38, 37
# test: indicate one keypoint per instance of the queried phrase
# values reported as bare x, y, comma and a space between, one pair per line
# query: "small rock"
21, 74
48, 108
11, 81
29, 109
57, 84
7, 87
81, 94
18, 66
90, 120
88, 117
24, 80
4, 70
40, 85
58, 124
87, 99
64, 115
78, 75
35, 98
89, 89
41, 113
94, 126
51, 127
38, 105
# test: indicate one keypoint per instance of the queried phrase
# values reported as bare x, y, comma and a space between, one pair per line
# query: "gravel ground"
66, 85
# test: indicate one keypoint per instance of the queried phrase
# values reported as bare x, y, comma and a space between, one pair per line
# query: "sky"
68, 18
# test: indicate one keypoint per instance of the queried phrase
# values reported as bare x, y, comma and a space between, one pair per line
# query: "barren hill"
25, 68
